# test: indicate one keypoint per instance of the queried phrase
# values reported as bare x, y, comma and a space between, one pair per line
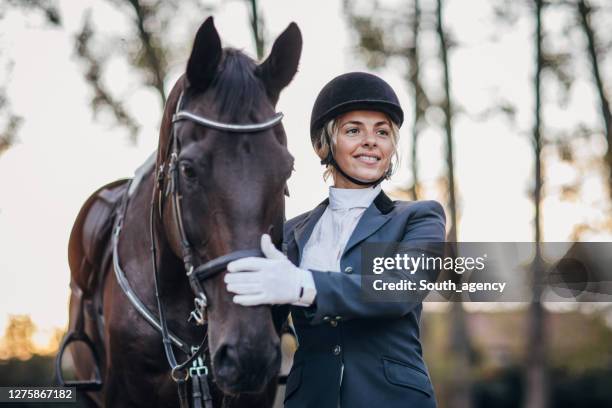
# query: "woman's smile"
369, 159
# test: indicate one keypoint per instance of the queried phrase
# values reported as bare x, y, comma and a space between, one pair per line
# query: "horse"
147, 257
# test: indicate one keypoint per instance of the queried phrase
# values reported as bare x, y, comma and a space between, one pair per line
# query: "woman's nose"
369, 138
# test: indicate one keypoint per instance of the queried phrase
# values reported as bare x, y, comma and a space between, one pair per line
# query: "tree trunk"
415, 81
584, 10
460, 387
536, 386
257, 30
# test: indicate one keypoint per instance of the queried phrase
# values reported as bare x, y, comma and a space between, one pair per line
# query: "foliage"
148, 46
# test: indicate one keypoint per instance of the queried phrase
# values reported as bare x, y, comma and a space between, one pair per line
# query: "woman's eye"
187, 170
352, 131
383, 132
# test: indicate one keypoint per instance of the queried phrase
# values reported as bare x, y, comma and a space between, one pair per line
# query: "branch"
9, 134
48, 7
102, 96
153, 58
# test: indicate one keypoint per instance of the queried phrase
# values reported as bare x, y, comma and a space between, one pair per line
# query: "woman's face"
363, 148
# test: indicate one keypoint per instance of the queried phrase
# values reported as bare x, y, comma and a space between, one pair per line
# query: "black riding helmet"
349, 92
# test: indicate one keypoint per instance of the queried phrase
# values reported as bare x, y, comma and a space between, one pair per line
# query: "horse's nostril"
250, 369
227, 363
228, 355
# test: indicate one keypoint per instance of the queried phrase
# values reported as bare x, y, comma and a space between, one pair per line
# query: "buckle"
199, 311
198, 368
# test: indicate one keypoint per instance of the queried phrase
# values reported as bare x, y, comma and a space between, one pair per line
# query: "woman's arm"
339, 294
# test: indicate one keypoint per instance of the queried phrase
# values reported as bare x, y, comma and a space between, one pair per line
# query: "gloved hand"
270, 280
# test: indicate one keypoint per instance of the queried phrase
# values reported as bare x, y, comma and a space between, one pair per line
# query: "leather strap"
217, 265
182, 393
228, 127
196, 392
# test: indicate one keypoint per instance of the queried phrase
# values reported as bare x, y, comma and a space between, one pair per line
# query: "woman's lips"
367, 160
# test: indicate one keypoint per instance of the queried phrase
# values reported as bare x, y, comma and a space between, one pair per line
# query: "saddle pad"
141, 171
91, 234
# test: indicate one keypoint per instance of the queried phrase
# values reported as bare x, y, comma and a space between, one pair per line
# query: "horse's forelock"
237, 89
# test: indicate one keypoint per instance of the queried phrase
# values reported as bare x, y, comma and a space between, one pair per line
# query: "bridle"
181, 372
197, 274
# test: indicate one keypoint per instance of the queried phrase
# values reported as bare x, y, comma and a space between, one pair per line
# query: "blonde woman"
351, 353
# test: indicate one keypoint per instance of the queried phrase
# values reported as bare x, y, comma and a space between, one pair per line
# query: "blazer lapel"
373, 218
303, 231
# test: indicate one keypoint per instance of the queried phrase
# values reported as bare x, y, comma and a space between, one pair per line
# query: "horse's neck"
136, 238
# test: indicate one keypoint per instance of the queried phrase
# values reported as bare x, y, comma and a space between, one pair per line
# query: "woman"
351, 353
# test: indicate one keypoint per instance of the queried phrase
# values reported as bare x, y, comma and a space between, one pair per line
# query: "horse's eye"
187, 170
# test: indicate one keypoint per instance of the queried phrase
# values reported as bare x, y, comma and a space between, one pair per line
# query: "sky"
63, 154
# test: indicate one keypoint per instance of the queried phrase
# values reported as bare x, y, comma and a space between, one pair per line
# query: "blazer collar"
374, 217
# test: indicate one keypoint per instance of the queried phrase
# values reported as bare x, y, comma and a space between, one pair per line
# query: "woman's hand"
270, 280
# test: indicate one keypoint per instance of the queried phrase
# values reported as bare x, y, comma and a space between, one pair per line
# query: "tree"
419, 97
536, 395
593, 51
257, 29
460, 343
17, 341
147, 48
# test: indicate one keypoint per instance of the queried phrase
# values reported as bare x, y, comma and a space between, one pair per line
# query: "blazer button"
348, 269
333, 323
337, 350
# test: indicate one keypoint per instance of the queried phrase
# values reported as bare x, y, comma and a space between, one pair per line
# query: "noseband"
196, 274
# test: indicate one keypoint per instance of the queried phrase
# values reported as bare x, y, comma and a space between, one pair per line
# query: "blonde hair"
329, 132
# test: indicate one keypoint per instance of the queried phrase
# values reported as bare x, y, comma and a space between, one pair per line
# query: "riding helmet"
354, 91
349, 92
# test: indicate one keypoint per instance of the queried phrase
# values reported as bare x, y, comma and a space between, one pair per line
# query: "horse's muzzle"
239, 368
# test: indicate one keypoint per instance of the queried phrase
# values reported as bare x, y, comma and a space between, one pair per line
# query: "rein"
194, 368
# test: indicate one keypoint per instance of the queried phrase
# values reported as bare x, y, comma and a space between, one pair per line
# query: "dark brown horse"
215, 190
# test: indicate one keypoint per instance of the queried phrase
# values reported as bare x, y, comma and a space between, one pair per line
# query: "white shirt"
333, 230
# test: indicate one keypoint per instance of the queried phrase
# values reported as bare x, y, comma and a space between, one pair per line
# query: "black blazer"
375, 345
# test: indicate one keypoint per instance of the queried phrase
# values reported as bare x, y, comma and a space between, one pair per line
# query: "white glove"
270, 280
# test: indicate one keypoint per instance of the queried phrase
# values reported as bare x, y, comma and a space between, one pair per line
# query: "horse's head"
230, 188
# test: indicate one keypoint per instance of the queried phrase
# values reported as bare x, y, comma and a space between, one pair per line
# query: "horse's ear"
281, 65
205, 56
